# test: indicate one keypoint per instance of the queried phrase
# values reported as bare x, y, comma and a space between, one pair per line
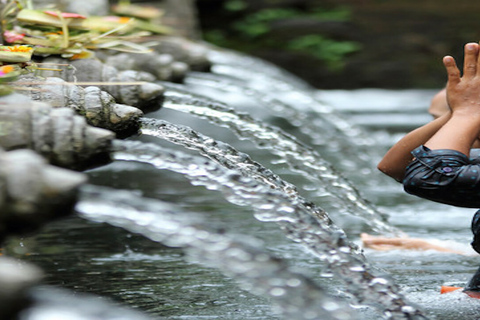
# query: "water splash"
216, 150
330, 245
53, 303
298, 156
318, 121
294, 296
231, 158
268, 78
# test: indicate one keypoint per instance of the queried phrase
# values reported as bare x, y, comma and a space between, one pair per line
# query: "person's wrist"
466, 121
467, 112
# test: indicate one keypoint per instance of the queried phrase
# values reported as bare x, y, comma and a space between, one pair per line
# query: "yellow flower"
19, 48
15, 54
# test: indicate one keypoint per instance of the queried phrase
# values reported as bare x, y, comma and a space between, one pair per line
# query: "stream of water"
187, 237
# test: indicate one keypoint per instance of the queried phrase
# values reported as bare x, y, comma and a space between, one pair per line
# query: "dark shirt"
445, 176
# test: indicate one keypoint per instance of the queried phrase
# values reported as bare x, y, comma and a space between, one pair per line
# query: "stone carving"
32, 191
162, 66
15, 279
195, 54
138, 91
61, 136
98, 107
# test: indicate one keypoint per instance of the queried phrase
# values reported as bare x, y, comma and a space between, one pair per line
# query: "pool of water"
96, 258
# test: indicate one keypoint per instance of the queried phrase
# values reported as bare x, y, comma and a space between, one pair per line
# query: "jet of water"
299, 224
298, 156
294, 295
230, 158
318, 121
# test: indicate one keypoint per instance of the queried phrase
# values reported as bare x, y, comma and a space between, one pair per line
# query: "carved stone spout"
98, 107
33, 192
138, 91
15, 279
61, 136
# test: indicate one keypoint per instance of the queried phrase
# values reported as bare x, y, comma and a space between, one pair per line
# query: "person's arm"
405, 243
399, 156
463, 94
442, 170
439, 105
457, 130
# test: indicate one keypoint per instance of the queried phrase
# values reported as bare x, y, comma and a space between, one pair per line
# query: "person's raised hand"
463, 92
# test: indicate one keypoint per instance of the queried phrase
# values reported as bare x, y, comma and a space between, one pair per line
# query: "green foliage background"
249, 29
347, 44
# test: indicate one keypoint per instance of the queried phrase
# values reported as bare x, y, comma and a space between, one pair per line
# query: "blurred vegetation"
247, 29
347, 44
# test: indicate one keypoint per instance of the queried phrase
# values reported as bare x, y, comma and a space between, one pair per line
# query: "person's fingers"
471, 60
452, 70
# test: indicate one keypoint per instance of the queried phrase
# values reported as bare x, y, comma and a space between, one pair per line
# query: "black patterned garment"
445, 176
449, 177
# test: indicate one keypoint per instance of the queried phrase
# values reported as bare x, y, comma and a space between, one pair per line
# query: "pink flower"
12, 36
65, 14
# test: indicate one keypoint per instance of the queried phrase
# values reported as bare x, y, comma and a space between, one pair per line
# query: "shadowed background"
347, 43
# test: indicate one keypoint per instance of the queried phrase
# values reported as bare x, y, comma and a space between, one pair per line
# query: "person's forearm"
439, 104
458, 134
398, 157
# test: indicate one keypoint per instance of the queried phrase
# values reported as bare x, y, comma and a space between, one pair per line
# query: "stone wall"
402, 41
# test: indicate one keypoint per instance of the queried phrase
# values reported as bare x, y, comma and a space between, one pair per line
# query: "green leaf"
235, 5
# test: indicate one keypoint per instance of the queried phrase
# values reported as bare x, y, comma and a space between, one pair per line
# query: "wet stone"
33, 192
58, 134
15, 279
141, 93
98, 107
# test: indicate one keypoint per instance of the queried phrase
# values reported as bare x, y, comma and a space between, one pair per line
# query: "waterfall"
299, 224
294, 295
297, 155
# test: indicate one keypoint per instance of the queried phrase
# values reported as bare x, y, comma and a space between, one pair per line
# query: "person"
439, 161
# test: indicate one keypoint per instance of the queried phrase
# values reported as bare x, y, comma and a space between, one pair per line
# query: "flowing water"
293, 295
299, 157
297, 220
188, 238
